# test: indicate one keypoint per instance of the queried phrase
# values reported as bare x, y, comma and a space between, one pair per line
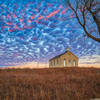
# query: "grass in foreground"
50, 84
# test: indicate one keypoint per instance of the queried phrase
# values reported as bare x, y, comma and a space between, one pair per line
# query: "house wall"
69, 57
55, 62
59, 61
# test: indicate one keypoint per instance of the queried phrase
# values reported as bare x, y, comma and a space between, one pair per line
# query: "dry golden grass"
50, 84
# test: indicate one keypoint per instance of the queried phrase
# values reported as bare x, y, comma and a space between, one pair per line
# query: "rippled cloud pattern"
38, 31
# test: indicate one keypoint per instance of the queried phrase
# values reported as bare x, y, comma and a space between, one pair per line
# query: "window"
54, 62
69, 61
57, 61
51, 63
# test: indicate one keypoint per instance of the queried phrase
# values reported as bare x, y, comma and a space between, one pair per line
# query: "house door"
64, 62
74, 63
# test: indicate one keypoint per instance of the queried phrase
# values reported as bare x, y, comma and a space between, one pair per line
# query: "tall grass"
50, 84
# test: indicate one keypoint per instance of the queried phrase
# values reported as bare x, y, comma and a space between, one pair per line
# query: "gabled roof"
63, 54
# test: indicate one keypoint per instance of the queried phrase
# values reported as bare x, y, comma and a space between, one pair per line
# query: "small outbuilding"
67, 59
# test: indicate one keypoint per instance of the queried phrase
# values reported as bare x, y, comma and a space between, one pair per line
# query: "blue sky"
39, 30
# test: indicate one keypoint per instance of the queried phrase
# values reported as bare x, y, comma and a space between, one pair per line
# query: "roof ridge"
63, 54
59, 55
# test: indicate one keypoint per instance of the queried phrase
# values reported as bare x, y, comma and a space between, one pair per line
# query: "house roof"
62, 54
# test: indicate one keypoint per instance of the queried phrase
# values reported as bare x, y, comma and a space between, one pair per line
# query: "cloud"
93, 60
27, 37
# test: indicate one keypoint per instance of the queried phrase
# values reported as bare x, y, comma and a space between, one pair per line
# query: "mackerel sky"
37, 30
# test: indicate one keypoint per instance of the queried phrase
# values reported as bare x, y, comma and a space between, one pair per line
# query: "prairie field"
50, 84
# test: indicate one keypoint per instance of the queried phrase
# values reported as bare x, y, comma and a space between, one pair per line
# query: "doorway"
64, 62
74, 63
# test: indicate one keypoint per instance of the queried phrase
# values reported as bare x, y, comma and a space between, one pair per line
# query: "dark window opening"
69, 61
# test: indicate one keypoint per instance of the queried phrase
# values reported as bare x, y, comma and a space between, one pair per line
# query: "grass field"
50, 84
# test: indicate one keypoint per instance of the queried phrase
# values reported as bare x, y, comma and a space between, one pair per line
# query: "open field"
50, 84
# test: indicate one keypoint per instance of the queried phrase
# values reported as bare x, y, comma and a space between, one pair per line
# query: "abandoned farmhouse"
67, 59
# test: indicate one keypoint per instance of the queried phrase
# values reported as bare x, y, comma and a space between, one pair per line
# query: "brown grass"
50, 84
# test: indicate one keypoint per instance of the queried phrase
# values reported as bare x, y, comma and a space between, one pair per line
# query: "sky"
37, 30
